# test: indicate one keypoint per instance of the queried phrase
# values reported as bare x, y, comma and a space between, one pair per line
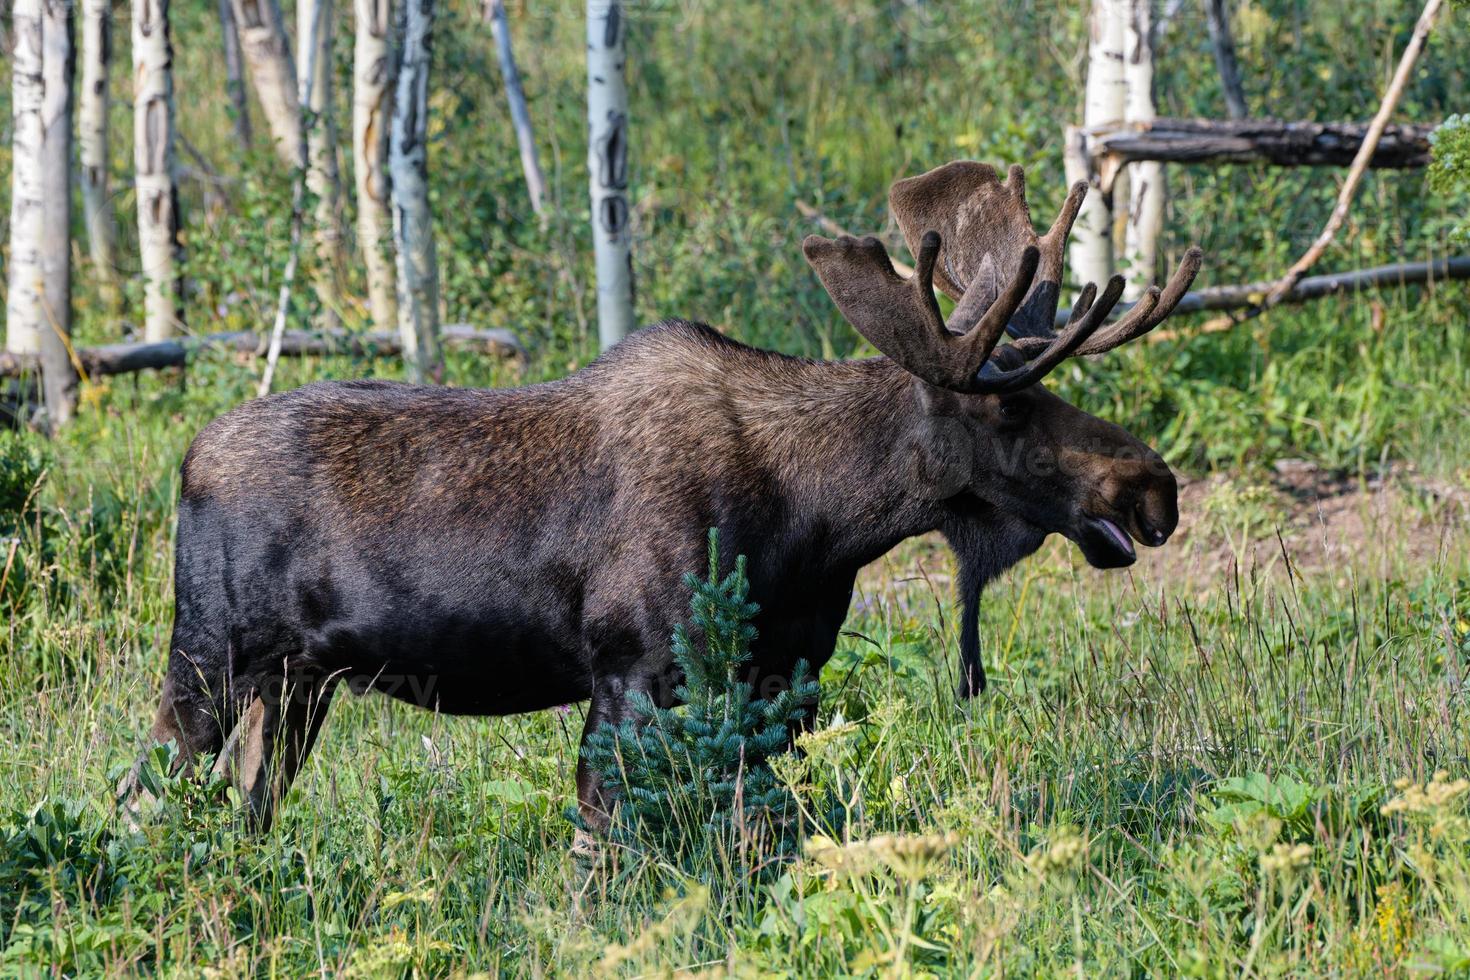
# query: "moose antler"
970, 232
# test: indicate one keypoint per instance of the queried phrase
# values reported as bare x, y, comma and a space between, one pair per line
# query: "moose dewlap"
489, 552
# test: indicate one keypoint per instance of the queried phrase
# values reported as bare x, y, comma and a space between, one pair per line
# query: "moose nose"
1150, 534
1156, 512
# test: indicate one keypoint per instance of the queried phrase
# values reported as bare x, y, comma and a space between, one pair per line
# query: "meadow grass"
1191, 767
1187, 767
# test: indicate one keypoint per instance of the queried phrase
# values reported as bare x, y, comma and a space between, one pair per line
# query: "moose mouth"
1104, 544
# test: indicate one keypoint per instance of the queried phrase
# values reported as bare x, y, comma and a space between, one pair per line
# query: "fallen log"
126, 358
1282, 144
1251, 294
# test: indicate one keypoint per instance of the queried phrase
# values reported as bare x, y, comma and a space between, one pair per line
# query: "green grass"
1128, 795
1115, 800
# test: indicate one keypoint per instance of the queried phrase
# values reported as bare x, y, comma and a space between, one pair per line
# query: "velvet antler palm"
971, 234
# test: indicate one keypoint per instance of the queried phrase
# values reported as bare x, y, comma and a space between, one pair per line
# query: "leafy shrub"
701, 772
1450, 172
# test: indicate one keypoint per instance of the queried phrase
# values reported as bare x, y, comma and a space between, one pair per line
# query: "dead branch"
126, 358
1284, 285
1281, 144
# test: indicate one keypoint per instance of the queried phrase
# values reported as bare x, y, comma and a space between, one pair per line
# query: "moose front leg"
611, 704
594, 803
972, 671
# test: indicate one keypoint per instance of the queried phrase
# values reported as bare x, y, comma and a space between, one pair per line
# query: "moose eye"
1012, 410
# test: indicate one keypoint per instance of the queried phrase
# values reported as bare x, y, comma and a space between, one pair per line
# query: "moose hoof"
585, 846
970, 687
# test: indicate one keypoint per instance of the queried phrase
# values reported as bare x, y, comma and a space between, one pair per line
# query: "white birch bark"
413, 224
272, 72
234, 72
310, 48
92, 106
314, 19
1103, 105
23, 311
38, 301
58, 373
372, 110
520, 116
1146, 183
607, 165
153, 161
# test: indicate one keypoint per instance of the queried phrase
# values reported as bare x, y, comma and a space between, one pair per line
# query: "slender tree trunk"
607, 165
520, 116
58, 373
310, 48
92, 107
1146, 182
413, 224
38, 304
322, 176
23, 311
153, 159
1223, 41
272, 71
1103, 105
372, 110
234, 73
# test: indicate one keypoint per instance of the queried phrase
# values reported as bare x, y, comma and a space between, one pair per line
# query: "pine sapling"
688, 775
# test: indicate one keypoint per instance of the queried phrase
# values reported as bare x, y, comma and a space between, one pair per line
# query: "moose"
502, 551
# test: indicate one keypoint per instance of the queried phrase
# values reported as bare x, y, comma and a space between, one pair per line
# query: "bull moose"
501, 551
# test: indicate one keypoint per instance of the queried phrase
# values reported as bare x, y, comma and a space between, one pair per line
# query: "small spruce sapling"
686, 774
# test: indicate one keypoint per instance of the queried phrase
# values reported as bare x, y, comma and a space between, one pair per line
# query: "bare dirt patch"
1297, 518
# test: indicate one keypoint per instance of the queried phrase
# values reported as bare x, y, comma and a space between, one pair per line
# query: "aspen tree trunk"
314, 19
520, 116
413, 225
92, 106
234, 73
153, 160
372, 110
23, 312
1103, 104
38, 302
1223, 41
1146, 187
309, 47
607, 165
272, 71
58, 373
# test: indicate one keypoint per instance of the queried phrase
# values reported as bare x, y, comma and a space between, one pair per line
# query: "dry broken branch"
126, 358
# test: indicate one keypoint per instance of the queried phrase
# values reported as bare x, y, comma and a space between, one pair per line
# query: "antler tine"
922, 282
979, 339
1151, 310
1071, 207
980, 305
1083, 304
993, 380
1037, 316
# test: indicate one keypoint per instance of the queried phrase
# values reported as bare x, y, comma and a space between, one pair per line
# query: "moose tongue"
1117, 533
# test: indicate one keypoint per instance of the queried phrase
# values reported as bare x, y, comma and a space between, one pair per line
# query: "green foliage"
691, 775
1449, 174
